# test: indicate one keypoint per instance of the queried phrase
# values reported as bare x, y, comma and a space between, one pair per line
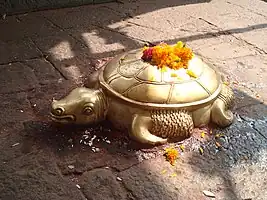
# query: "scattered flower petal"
208, 193
182, 147
218, 135
173, 175
78, 186
226, 83
218, 144
235, 82
211, 132
203, 134
173, 75
71, 166
201, 151
119, 179
152, 78
191, 73
107, 141
16, 144
70, 140
164, 171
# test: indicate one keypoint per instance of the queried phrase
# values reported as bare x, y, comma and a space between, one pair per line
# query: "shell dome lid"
134, 80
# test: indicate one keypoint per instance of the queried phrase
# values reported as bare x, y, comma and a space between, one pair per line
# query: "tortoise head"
80, 106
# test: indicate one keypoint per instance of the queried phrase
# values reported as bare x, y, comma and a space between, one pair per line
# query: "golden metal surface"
153, 107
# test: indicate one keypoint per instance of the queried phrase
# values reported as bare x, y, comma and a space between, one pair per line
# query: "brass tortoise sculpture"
135, 96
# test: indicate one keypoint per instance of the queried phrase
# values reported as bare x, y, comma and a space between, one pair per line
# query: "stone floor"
43, 55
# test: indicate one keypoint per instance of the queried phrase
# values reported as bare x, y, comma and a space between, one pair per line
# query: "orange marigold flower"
174, 57
171, 155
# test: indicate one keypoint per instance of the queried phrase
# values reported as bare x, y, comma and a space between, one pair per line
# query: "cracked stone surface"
14, 51
44, 55
102, 184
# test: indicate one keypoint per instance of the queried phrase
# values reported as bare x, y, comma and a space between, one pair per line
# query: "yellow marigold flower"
174, 57
164, 69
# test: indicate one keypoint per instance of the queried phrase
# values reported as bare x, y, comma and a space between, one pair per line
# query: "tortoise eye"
88, 110
58, 111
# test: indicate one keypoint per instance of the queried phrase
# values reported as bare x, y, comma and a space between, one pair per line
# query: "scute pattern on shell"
138, 82
171, 123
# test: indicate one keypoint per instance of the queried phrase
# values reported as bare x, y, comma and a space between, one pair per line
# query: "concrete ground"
43, 55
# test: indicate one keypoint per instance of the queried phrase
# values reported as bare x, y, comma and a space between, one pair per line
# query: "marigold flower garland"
164, 55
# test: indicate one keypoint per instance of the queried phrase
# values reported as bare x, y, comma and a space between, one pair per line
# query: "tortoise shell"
128, 77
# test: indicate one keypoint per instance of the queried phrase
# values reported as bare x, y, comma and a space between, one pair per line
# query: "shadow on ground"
45, 148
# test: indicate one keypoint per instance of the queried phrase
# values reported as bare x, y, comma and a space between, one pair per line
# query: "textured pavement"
43, 55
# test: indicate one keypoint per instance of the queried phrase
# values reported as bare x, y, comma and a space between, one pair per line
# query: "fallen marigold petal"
164, 171
173, 75
171, 155
182, 148
235, 82
226, 83
191, 73
218, 144
152, 78
218, 135
201, 151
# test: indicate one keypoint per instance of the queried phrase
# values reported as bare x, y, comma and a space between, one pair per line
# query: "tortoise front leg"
140, 130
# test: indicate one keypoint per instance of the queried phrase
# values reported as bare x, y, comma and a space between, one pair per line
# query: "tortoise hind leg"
162, 125
140, 131
221, 113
